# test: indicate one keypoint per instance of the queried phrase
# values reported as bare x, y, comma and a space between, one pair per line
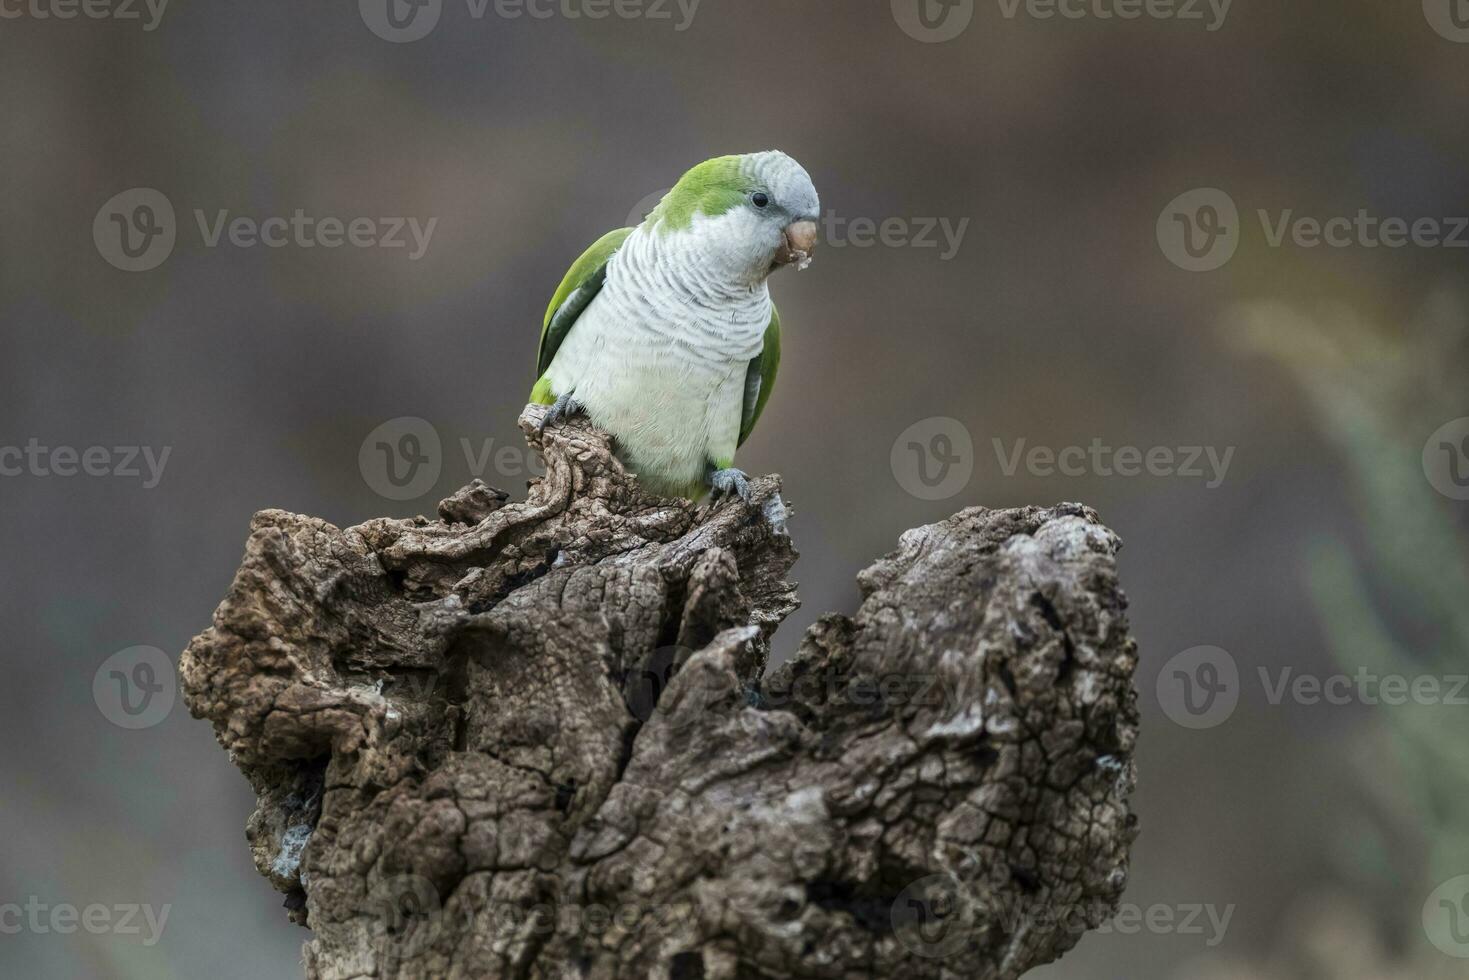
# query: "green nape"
712, 188
541, 394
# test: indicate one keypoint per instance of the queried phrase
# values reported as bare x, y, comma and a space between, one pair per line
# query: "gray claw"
565, 407
723, 482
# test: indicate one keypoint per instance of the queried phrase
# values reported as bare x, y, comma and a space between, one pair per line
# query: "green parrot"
665, 334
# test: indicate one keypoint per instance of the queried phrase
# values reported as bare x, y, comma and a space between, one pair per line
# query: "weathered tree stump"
538, 739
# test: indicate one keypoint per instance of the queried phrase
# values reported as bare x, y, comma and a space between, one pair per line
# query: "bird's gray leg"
564, 407
722, 482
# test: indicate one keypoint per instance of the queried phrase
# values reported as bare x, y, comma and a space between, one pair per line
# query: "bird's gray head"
749, 214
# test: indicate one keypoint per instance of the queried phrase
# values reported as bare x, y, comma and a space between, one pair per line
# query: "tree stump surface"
539, 739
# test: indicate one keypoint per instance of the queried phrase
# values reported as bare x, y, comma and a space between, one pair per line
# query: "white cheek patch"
737, 239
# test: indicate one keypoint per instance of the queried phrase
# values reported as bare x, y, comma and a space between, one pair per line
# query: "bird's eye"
761, 199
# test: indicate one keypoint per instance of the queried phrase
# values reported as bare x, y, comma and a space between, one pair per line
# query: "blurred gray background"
1061, 316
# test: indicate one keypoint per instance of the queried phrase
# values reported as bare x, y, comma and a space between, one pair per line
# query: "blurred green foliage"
1396, 600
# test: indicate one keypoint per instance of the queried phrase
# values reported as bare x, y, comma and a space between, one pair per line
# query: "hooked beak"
800, 242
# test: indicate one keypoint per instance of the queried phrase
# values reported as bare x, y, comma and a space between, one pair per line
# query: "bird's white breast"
659, 358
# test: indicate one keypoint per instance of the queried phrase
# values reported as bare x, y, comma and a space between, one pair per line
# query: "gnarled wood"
538, 739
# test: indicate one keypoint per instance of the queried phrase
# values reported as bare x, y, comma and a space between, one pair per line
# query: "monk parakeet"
665, 334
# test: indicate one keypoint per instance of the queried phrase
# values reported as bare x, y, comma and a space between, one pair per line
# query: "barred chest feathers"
659, 358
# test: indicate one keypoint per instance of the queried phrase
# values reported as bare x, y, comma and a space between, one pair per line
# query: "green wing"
573, 296
760, 377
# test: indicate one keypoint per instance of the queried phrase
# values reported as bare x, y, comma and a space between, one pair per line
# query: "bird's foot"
731, 481
564, 408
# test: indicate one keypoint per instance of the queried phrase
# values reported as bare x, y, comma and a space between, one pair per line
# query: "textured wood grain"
538, 739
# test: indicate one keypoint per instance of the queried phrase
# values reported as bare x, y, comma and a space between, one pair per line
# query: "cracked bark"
539, 740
